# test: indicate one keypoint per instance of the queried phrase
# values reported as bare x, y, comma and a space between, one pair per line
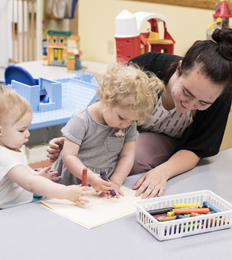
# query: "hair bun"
223, 38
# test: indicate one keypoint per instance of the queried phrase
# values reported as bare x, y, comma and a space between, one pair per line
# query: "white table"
37, 69
33, 232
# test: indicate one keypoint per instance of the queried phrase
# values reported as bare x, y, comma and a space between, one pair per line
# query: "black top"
204, 135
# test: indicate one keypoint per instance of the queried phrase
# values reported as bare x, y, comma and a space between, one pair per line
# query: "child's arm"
123, 168
75, 166
44, 187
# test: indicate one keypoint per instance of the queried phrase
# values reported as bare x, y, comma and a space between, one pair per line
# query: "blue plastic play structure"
64, 97
13, 72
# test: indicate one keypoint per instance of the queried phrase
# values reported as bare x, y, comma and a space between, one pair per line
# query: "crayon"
211, 212
181, 216
207, 205
193, 214
149, 225
193, 207
103, 176
216, 219
212, 219
159, 211
170, 213
166, 218
159, 216
184, 228
186, 205
84, 177
186, 211
189, 225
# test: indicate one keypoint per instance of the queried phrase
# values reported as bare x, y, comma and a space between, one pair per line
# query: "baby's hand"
75, 194
49, 175
116, 188
99, 184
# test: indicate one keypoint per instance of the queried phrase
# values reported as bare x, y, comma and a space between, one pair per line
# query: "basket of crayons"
185, 214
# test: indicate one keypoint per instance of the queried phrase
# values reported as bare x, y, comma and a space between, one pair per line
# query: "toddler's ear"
105, 98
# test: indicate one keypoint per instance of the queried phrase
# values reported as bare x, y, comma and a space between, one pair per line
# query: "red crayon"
84, 177
159, 216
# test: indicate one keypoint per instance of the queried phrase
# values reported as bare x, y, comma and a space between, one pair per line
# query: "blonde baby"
18, 181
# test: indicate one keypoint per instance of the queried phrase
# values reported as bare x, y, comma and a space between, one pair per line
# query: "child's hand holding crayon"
99, 184
116, 188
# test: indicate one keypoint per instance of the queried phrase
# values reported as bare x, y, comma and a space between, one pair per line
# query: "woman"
189, 120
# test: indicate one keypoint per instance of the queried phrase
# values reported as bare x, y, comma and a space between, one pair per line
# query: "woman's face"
194, 91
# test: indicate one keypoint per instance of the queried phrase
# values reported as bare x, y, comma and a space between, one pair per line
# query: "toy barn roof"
60, 33
223, 11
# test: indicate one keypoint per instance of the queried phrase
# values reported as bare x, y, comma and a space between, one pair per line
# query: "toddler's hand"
75, 194
116, 188
99, 184
49, 175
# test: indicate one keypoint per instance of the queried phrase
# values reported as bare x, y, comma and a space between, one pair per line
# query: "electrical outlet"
110, 46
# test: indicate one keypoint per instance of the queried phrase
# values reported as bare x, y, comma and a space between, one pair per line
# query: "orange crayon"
189, 211
216, 219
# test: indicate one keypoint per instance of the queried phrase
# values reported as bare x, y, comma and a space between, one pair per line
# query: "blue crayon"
181, 216
207, 205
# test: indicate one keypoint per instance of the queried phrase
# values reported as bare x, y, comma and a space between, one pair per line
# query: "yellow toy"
57, 47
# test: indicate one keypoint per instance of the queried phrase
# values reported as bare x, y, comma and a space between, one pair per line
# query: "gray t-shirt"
100, 148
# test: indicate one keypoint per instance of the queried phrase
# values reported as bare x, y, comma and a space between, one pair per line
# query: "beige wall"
97, 25
51, 24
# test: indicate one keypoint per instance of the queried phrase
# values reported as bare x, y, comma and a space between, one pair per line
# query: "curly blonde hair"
9, 99
130, 87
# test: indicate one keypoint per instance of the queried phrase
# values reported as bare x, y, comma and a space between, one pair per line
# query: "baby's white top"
11, 194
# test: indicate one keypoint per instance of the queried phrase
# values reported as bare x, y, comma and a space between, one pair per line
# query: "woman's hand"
152, 182
155, 180
54, 148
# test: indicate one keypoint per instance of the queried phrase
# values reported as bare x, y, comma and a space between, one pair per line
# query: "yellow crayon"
170, 213
186, 205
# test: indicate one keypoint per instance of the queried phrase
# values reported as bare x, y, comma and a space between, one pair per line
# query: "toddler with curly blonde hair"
101, 137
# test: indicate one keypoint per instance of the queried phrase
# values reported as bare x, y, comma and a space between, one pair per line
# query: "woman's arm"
182, 161
124, 167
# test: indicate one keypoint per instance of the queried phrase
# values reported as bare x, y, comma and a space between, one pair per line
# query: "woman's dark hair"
213, 57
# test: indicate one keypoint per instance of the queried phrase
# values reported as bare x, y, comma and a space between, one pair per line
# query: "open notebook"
98, 211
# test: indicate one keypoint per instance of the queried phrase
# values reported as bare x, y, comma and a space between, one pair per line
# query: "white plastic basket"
188, 226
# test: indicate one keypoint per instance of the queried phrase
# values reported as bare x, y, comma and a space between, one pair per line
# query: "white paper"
98, 211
